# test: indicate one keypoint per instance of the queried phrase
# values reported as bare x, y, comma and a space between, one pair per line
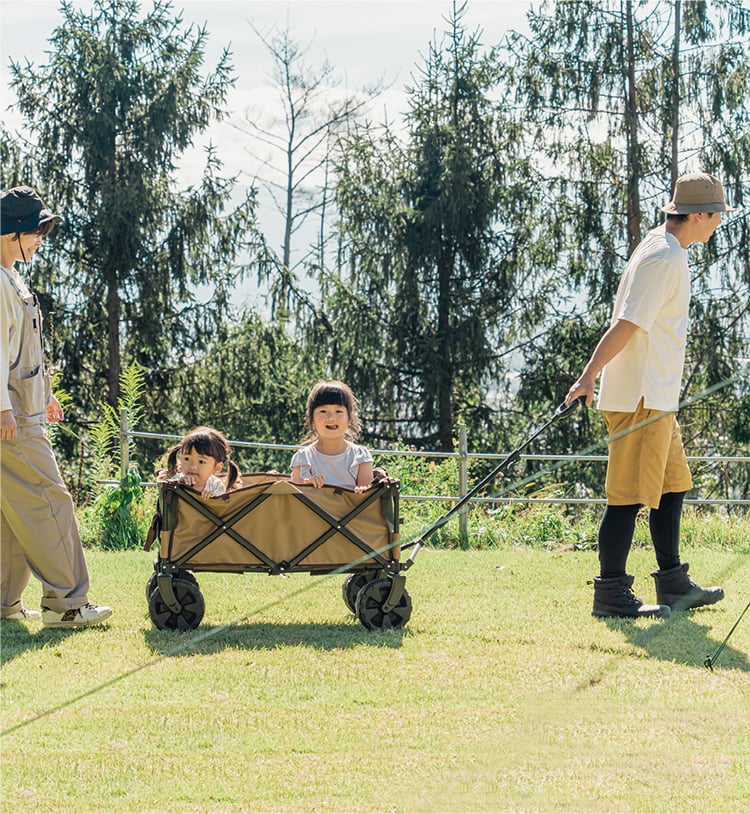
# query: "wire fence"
463, 457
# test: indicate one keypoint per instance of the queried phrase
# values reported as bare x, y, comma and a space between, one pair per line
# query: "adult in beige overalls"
38, 531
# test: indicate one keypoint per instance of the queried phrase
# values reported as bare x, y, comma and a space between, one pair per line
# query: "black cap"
22, 210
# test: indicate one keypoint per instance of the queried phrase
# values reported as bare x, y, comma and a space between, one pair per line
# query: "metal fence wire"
463, 457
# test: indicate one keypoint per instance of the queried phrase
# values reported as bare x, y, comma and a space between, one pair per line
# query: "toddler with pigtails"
197, 461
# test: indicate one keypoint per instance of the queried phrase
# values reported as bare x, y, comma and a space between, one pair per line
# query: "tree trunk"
675, 100
289, 203
444, 360
113, 340
631, 128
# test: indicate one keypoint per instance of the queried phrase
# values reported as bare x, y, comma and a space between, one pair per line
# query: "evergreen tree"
434, 251
617, 99
110, 117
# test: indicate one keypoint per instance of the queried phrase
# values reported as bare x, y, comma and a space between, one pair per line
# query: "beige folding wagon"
273, 526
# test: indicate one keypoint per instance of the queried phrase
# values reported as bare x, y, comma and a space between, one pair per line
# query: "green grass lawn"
502, 694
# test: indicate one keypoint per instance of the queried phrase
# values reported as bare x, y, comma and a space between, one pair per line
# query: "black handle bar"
562, 410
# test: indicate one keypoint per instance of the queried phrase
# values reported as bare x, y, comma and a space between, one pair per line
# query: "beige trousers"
39, 533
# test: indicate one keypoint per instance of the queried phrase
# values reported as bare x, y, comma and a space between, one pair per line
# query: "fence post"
124, 445
463, 485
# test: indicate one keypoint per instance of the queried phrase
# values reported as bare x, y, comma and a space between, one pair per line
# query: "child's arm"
316, 480
214, 487
364, 476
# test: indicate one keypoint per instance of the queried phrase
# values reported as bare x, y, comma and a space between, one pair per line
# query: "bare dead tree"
294, 147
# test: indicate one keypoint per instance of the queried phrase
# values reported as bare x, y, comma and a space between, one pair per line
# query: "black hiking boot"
675, 588
615, 597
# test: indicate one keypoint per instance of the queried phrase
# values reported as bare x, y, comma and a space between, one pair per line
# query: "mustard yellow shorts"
646, 457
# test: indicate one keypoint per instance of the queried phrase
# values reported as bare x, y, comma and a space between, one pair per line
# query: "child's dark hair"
205, 441
332, 392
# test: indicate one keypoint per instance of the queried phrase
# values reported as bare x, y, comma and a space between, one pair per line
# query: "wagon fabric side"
272, 525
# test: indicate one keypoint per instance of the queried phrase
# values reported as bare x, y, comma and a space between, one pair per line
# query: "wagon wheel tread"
189, 596
181, 574
353, 584
369, 607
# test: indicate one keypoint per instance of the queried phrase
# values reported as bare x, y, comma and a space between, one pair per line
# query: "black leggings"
616, 534
615, 538
664, 524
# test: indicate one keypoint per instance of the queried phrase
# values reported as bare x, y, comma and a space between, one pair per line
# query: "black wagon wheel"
181, 574
353, 584
370, 602
192, 608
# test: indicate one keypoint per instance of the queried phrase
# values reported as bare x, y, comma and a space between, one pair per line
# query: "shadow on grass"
17, 638
682, 639
245, 636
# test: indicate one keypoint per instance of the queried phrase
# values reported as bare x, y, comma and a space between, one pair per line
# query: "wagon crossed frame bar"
335, 526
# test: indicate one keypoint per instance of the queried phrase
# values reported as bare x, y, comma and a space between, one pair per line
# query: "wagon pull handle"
511, 458
565, 409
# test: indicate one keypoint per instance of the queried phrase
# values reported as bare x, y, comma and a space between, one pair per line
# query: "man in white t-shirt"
641, 357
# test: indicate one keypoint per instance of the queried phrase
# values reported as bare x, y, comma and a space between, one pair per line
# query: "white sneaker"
76, 617
22, 615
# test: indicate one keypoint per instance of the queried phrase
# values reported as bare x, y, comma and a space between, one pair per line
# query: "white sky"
361, 37
365, 41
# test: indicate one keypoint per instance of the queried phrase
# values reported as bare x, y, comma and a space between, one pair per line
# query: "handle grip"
565, 409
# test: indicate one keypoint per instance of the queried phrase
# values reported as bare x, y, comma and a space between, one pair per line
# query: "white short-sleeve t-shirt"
338, 470
654, 294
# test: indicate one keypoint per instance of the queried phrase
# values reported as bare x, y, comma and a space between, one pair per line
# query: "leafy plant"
423, 476
120, 513
56, 433
65, 400
117, 518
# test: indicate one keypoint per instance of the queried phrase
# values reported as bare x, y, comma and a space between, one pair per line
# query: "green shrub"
120, 516
423, 476
489, 525
117, 517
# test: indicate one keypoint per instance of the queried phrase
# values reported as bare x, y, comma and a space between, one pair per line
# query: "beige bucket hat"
697, 192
